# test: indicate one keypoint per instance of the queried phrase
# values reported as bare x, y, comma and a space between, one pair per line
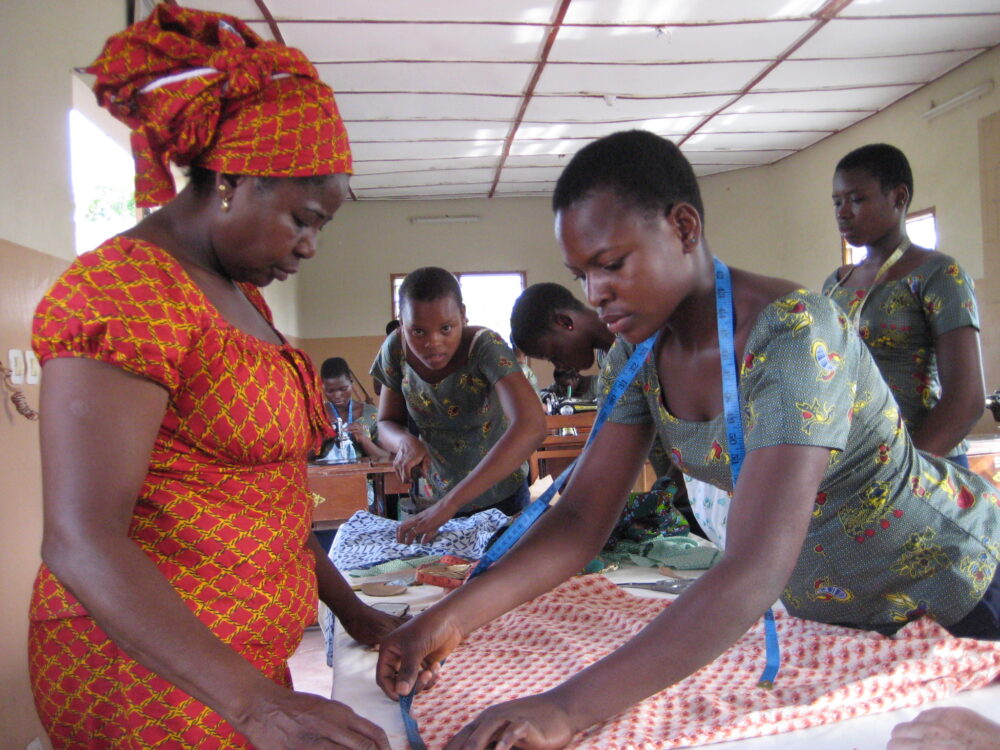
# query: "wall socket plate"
15, 361
32, 370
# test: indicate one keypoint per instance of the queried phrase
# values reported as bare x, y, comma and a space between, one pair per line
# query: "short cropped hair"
884, 162
334, 367
642, 169
535, 310
428, 284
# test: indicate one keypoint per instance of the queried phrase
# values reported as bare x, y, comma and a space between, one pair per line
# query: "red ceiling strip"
271, 23
823, 16
530, 90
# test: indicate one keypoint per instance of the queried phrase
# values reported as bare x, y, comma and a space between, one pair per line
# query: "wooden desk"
345, 487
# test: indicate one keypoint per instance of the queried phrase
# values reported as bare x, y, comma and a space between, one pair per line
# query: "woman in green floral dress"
914, 308
478, 416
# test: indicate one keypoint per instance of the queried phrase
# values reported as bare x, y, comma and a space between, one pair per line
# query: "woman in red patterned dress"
179, 568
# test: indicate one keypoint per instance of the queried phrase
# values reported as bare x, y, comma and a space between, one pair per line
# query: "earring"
225, 197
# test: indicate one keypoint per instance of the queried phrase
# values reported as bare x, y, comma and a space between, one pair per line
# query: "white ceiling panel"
799, 74
524, 147
410, 179
702, 170
698, 156
596, 109
426, 130
758, 41
917, 7
518, 11
520, 190
426, 107
739, 141
449, 77
748, 122
422, 165
430, 191
901, 36
647, 80
439, 96
328, 42
537, 160
425, 149
531, 174
245, 10
685, 11
856, 100
666, 126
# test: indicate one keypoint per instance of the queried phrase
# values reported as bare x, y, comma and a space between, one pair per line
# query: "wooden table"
345, 487
556, 450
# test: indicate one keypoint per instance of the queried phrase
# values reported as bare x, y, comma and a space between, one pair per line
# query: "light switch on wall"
32, 370
15, 361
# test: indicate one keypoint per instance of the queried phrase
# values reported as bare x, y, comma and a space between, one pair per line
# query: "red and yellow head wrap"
202, 88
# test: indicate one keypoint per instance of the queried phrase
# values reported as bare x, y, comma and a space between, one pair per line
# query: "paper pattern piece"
828, 673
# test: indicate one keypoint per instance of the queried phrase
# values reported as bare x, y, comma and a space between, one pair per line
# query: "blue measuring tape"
734, 435
534, 511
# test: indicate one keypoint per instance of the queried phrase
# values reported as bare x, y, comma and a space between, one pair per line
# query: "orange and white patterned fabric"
828, 673
202, 88
223, 513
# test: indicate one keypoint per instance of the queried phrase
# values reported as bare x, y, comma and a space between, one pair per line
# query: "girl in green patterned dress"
915, 308
835, 512
478, 416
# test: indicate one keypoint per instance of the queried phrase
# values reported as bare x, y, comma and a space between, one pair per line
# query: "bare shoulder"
758, 290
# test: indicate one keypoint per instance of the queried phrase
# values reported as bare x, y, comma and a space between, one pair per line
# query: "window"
488, 297
920, 226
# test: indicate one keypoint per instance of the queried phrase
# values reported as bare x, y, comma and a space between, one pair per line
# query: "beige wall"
42, 41
27, 274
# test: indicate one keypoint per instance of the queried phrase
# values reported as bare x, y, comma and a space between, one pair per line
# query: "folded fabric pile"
366, 540
828, 673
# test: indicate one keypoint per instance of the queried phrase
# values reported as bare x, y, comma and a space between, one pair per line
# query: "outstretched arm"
97, 433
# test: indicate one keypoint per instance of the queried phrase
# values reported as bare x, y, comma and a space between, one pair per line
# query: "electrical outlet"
35, 744
32, 370
15, 362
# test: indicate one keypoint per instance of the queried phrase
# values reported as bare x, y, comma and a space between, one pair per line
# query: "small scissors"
669, 586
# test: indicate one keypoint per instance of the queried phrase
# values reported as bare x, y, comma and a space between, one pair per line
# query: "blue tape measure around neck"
534, 511
725, 320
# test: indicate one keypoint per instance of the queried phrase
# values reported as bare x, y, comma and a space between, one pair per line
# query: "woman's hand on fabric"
410, 657
423, 527
412, 453
287, 720
532, 723
368, 626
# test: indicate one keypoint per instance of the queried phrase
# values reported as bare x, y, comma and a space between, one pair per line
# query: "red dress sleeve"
129, 304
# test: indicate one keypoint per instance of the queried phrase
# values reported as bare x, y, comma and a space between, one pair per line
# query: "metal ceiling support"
550, 39
823, 16
271, 23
